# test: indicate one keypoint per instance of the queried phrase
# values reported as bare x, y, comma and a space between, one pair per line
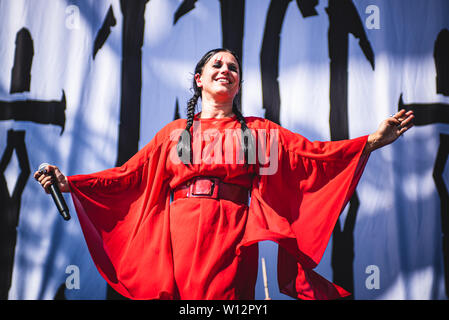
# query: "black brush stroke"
441, 57
105, 30
185, 7
343, 21
440, 164
23, 59
43, 112
10, 208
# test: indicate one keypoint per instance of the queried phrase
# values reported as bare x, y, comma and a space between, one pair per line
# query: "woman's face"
220, 78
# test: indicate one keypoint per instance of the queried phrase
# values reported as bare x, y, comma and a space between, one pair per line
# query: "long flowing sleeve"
298, 202
123, 216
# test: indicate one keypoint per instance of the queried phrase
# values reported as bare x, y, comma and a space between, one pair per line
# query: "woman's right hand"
52, 174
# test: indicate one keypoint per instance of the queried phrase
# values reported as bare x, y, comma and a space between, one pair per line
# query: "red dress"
148, 247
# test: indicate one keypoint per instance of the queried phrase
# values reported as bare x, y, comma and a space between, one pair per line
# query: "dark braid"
184, 146
248, 145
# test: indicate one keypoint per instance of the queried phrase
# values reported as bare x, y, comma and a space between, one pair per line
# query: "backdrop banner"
85, 84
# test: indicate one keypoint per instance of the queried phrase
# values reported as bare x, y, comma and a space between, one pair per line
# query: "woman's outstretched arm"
389, 130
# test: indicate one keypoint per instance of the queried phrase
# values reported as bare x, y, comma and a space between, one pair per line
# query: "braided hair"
184, 147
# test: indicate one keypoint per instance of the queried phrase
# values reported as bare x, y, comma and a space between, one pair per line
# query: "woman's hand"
52, 175
389, 130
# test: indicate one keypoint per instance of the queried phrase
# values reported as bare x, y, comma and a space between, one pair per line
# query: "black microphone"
56, 194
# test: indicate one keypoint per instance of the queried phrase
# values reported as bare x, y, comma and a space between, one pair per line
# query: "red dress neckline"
196, 117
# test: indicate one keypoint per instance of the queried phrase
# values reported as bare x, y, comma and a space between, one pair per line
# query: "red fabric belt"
213, 188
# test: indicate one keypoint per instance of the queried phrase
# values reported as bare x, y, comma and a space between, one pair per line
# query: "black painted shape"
426, 113
343, 249
184, 8
60, 294
269, 59
232, 28
440, 163
23, 58
177, 115
307, 7
441, 57
10, 206
269, 53
343, 20
44, 112
104, 31
432, 113
131, 82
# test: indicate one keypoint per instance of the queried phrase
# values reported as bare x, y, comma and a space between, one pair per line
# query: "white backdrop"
398, 227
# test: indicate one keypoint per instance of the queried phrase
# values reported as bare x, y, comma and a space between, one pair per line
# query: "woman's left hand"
389, 130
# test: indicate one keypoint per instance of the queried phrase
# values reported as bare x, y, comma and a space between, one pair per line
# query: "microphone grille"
43, 166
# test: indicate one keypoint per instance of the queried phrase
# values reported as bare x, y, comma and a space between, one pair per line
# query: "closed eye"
231, 67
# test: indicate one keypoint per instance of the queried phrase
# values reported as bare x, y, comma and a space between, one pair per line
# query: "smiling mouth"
223, 80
